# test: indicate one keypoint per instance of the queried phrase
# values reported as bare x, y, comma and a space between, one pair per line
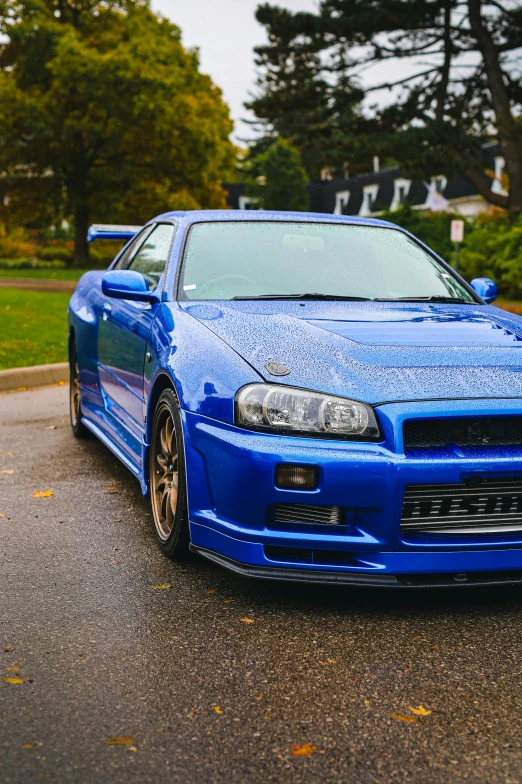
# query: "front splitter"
311, 576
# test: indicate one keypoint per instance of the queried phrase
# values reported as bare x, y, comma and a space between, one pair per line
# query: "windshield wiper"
450, 300
308, 296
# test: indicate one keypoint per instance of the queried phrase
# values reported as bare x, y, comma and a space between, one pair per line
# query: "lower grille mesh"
478, 506
313, 515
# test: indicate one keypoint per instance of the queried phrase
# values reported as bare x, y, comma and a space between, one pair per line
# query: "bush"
52, 253
494, 250
16, 244
23, 264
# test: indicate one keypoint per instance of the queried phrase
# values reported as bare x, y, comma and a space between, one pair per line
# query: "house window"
249, 203
341, 202
369, 199
401, 190
498, 184
440, 183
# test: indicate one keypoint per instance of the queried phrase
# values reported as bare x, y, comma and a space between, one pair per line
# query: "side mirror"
485, 288
127, 284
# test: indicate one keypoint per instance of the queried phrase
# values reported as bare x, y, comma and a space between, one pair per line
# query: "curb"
35, 376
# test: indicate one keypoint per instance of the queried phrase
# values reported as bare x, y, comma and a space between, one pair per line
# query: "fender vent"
308, 514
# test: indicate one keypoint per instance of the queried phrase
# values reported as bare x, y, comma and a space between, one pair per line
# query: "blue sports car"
306, 397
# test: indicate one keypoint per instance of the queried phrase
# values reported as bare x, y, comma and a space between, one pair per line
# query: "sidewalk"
39, 284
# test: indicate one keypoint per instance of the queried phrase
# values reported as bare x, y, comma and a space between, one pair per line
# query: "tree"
298, 103
285, 179
465, 89
105, 115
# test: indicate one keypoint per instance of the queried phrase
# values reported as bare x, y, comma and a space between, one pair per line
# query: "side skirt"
133, 468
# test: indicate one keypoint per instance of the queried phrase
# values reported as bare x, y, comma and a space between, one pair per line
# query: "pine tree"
440, 114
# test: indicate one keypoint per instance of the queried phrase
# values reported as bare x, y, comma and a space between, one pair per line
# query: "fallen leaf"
51, 427
6, 453
8, 471
260, 697
22, 389
29, 745
213, 590
42, 494
400, 717
10, 649
120, 740
161, 587
133, 748
12, 669
420, 711
227, 601
111, 489
247, 620
116, 521
218, 709
13, 680
302, 749
2, 515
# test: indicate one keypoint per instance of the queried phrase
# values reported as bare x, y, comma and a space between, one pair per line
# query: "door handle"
107, 309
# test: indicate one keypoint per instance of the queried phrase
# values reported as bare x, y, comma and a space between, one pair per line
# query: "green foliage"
104, 109
16, 244
52, 253
494, 250
31, 264
285, 178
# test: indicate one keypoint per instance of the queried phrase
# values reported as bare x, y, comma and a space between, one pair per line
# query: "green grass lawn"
33, 328
47, 274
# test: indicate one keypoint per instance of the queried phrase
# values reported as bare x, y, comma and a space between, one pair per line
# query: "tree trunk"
508, 137
81, 224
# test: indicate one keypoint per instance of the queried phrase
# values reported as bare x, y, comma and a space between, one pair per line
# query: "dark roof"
322, 193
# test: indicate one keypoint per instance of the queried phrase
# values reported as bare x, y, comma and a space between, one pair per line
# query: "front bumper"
231, 492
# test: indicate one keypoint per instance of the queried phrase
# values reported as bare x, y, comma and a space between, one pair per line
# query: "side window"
152, 256
126, 258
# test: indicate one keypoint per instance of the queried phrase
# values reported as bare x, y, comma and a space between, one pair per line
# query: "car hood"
375, 352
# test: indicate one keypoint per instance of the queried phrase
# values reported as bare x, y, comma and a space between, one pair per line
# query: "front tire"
168, 487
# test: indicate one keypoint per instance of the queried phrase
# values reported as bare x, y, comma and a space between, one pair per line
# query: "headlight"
285, 409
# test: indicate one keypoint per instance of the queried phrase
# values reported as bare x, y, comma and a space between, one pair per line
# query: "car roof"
258, 216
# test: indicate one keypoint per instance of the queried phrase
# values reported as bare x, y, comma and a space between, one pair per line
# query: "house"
381, 190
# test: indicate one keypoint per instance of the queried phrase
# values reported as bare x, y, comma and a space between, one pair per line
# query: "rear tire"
168, 487
75, 397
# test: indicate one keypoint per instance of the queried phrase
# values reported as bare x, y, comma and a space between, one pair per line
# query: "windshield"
250, 260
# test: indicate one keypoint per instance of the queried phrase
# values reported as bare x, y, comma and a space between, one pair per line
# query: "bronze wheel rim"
164, 474
74, 392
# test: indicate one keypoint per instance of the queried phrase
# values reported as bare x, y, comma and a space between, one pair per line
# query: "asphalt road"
204, 695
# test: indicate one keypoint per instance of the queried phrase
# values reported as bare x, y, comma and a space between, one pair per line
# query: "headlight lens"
279, 408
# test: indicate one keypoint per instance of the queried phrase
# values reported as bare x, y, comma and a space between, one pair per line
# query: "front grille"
312, 515
463, 431
479, 505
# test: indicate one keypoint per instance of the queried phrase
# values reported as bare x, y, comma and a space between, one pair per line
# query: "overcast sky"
225, 31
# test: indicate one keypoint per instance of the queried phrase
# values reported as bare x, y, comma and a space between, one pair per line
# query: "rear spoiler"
107, 231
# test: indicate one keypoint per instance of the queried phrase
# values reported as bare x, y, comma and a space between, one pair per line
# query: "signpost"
457, 235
